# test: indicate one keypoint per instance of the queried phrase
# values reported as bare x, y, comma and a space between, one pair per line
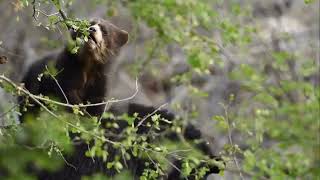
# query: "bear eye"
103, 29
93, 23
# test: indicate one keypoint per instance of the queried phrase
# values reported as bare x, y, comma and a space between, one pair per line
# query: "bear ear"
122, 38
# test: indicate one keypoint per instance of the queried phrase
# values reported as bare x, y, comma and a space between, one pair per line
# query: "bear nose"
92, 29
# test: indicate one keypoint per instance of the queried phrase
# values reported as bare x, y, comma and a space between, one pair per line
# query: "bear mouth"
91, 36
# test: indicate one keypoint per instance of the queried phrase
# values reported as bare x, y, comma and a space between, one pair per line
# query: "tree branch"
149, 115
63, 14
231, 141
34, 10
37, 97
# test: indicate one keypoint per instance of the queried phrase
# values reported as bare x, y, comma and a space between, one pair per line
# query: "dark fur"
82, 78
82, 75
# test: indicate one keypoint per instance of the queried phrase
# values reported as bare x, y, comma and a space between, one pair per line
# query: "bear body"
72, 85
79, 78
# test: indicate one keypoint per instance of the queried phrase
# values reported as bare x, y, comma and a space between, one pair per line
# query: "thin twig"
90, 151
181, 150
231, 142
55, 80
45, 14
124, 159
9, 110
64, 159
34, 10
149, 115
7, 51
175, 167
104, 110
26, 92
155, 164
63, 14
65, 18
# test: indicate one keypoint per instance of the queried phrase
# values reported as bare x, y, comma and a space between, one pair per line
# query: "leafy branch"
38, 97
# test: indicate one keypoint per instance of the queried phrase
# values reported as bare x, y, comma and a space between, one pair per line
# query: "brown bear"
81, 76
81, 79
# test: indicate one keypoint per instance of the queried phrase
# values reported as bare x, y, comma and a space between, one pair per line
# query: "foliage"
279, 115
277, 120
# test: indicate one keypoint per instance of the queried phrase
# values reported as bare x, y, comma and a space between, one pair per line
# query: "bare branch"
55, 80
104, 110
64, 159
45, 14
34, 10
149, 115
231, 141
37, 97
63, 14
175, 167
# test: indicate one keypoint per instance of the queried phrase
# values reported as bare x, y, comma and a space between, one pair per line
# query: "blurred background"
245, 69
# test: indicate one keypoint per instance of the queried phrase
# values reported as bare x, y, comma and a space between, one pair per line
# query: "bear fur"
81, 76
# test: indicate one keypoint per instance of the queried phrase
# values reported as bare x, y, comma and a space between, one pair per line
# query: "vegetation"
271, 123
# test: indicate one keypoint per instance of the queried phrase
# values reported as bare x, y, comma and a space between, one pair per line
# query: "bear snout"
92, 29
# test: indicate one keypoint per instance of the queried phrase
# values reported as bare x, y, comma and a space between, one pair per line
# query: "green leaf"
309, 1
75, 49
186, 168
218, 118
194, 60
118, 166
110, 165
57, 4
25, 3
53, 19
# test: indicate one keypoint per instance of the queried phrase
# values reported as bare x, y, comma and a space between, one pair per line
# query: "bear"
80, 79
81, 76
